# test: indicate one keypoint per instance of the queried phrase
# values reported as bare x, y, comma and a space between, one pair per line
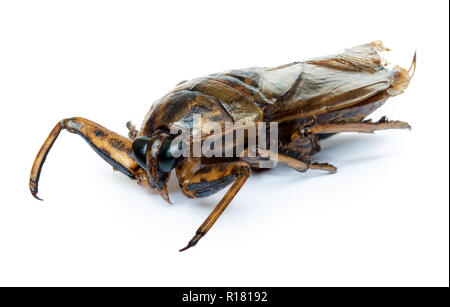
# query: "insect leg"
112, 147
208, 180
366, 126
132, 131
287, 160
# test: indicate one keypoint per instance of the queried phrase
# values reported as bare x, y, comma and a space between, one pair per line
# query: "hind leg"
366, 126
112, 147
305, 142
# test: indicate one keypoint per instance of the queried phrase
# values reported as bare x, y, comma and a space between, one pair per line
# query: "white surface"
383, 219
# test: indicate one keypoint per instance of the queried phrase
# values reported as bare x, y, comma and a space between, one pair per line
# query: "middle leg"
289, 160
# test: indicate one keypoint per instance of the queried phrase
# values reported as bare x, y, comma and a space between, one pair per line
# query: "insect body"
308, 100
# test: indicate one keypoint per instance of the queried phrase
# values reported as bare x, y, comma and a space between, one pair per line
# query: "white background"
383, 219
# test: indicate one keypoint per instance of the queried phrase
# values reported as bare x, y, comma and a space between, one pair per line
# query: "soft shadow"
345, 149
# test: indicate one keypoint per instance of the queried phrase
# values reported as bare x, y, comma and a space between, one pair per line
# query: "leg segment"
366, 126
208, 179
113, 148
287, 160
132, 131
304, 142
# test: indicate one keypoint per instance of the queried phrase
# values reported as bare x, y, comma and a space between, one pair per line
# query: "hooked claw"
34, 190
193, 242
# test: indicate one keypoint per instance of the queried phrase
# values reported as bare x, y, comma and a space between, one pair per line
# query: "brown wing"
326, 84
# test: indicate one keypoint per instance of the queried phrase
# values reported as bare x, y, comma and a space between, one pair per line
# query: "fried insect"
308, 100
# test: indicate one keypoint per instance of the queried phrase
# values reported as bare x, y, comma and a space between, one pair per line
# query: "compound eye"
166, 161
139, 150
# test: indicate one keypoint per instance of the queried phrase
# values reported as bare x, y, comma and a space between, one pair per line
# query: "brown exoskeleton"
308, 100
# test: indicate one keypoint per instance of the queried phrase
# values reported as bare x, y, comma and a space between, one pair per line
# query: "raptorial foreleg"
112, 147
